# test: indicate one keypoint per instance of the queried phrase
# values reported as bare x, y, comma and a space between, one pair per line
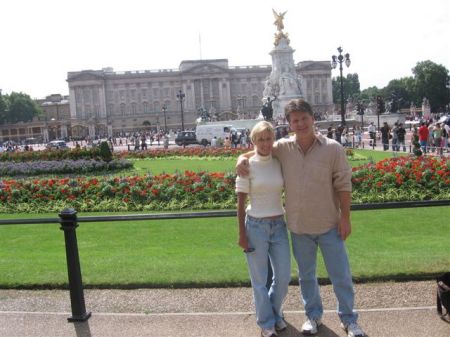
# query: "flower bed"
61, 166
397, 179
46, 155
403, 178
163, 192
184, 152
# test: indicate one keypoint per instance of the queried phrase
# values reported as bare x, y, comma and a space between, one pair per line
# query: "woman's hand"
243, 242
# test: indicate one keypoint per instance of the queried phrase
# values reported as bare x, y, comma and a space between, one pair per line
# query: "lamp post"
180, 97
164, 109
334, 61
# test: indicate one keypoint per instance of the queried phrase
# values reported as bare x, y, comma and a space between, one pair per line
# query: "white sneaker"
268, 332
353, 330
281, 325
310, 326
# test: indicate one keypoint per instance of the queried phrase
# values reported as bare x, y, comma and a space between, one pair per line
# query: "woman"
262, 230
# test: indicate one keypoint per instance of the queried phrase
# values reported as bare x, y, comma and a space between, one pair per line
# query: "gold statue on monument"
279, 20
280, 26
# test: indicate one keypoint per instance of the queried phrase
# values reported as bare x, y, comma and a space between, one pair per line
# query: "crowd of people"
433, 137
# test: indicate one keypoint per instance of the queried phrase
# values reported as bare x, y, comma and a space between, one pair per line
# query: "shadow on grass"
187, 285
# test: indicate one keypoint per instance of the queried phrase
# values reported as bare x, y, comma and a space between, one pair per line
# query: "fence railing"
69, 220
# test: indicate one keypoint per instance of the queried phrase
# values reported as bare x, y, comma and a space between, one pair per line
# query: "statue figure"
267, 109
279, 20
205, 116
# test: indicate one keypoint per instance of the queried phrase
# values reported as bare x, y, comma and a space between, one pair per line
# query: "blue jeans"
270, 240
336, 262
423, 145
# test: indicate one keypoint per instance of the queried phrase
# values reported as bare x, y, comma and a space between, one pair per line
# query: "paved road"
386, 309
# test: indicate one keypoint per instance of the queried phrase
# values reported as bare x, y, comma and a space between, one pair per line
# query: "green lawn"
157, 166
388, 244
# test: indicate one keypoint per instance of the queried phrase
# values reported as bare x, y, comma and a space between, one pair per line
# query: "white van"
206, 132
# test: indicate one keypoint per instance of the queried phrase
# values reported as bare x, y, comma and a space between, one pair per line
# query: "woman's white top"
264, 186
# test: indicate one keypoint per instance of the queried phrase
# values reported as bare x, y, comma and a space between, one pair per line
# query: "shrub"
105, 152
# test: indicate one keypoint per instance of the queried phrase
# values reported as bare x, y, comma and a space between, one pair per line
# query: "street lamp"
334, 61
164, 109
180, 97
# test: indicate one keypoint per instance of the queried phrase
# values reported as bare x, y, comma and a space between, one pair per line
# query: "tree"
351, 87
400, 93
431, 81
369, 93
3, 109
20, 108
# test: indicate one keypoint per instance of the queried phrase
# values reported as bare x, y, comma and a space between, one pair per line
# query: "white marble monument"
283, 83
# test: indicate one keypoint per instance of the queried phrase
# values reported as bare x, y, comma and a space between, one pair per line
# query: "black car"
186, 138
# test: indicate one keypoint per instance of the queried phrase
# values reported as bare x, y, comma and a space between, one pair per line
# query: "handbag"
443, 297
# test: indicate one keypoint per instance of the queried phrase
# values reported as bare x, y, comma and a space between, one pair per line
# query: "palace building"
106, 103
103, 103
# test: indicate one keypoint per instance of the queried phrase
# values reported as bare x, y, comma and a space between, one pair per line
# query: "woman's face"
264, 142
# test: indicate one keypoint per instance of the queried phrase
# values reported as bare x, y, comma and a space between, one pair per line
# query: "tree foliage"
431, 81
351, 87
3, 108
18, 107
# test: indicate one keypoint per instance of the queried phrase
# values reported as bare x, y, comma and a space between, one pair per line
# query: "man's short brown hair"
297, 105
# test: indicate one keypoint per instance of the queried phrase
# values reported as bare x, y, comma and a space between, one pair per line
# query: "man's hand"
242, 166
344, 227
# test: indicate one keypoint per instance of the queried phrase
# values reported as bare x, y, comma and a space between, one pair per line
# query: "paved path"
386, 309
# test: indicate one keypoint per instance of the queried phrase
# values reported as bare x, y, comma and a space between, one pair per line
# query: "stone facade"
105, 103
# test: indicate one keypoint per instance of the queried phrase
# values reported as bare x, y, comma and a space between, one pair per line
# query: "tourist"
262, 230
385, 135
437, 136
330, 132
401, 133
372, 134
358, 136
423, 133
395, 146
317, 200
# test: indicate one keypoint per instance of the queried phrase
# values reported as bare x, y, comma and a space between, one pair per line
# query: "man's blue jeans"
333, 250
269, 239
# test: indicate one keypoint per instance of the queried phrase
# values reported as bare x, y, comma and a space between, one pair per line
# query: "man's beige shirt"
312, 181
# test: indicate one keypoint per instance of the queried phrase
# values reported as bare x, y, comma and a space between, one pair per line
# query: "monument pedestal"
283, 82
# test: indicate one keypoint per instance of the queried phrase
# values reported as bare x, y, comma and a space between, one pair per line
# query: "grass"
388, 244
158, 166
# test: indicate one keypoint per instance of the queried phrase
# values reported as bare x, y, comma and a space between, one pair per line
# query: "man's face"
302, 123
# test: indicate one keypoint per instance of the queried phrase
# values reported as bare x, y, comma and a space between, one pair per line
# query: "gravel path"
368, 296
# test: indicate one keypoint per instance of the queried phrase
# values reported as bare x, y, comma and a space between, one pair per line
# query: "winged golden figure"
279, 19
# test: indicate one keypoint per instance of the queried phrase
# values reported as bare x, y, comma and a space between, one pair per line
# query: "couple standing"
316, 178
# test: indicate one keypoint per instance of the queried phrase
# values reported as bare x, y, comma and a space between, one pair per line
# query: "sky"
43, 40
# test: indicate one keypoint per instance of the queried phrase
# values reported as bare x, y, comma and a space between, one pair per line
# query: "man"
423, 137
317, 182
395, 145
401, 133
385, 132
372, 134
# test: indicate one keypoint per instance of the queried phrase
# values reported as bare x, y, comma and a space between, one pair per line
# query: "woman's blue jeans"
334, 253
270, 240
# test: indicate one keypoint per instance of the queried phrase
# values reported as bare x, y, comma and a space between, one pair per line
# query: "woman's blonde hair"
259, 128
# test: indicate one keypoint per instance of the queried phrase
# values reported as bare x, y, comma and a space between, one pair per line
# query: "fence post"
68, 221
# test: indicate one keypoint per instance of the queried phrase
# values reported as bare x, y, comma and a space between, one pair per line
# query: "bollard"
68, 221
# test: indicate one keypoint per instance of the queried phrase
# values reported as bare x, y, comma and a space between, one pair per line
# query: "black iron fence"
69, 220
